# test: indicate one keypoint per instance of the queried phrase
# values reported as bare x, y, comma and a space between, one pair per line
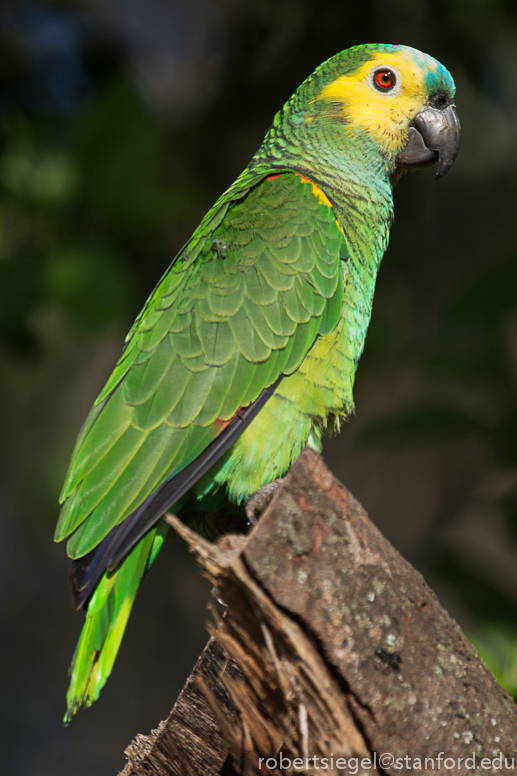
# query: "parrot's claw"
261, 499
216, 595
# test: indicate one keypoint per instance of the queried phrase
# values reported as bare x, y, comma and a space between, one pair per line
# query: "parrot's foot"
261, 499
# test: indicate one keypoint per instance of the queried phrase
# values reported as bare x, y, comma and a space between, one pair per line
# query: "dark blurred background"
120, 124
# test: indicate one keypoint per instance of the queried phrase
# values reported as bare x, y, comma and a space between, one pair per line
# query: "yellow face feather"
385, 116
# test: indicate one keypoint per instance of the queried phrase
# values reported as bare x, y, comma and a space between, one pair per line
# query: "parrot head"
399, 98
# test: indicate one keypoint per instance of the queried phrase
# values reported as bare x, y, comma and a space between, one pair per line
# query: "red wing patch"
221, 424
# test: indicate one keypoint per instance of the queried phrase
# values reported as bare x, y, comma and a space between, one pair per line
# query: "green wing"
241, 305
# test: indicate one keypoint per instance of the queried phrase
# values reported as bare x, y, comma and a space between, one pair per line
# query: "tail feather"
106, 618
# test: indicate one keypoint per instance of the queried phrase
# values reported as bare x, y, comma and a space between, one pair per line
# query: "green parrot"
246, 351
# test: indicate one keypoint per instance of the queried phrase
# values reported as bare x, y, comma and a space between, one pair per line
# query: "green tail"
106, 619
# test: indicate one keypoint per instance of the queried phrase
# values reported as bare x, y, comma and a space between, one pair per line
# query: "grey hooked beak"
434, 136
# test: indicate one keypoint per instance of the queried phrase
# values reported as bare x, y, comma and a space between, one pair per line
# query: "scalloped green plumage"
143, 379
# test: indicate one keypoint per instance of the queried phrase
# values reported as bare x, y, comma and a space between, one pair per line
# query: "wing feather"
241, 306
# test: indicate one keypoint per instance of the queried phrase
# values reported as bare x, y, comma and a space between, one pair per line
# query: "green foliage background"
120, 124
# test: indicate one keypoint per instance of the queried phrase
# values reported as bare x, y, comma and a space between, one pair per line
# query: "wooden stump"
333, 655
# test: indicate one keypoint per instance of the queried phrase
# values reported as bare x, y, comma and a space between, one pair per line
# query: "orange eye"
384, 80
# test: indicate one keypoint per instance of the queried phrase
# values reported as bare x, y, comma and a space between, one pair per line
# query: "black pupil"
386, 78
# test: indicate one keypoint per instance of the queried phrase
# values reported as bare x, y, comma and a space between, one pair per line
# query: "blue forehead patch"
436, 75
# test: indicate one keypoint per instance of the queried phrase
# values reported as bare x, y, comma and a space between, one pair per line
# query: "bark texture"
332, 646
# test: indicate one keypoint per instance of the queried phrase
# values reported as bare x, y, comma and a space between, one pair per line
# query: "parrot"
247, 349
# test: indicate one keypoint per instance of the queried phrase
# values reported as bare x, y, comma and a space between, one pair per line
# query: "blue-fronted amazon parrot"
246, 351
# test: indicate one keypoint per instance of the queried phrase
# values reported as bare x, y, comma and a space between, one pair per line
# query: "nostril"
440, 100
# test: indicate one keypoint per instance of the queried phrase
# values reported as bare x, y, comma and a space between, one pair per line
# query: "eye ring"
384, 79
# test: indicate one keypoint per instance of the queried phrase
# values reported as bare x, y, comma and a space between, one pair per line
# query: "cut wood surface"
332, 646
